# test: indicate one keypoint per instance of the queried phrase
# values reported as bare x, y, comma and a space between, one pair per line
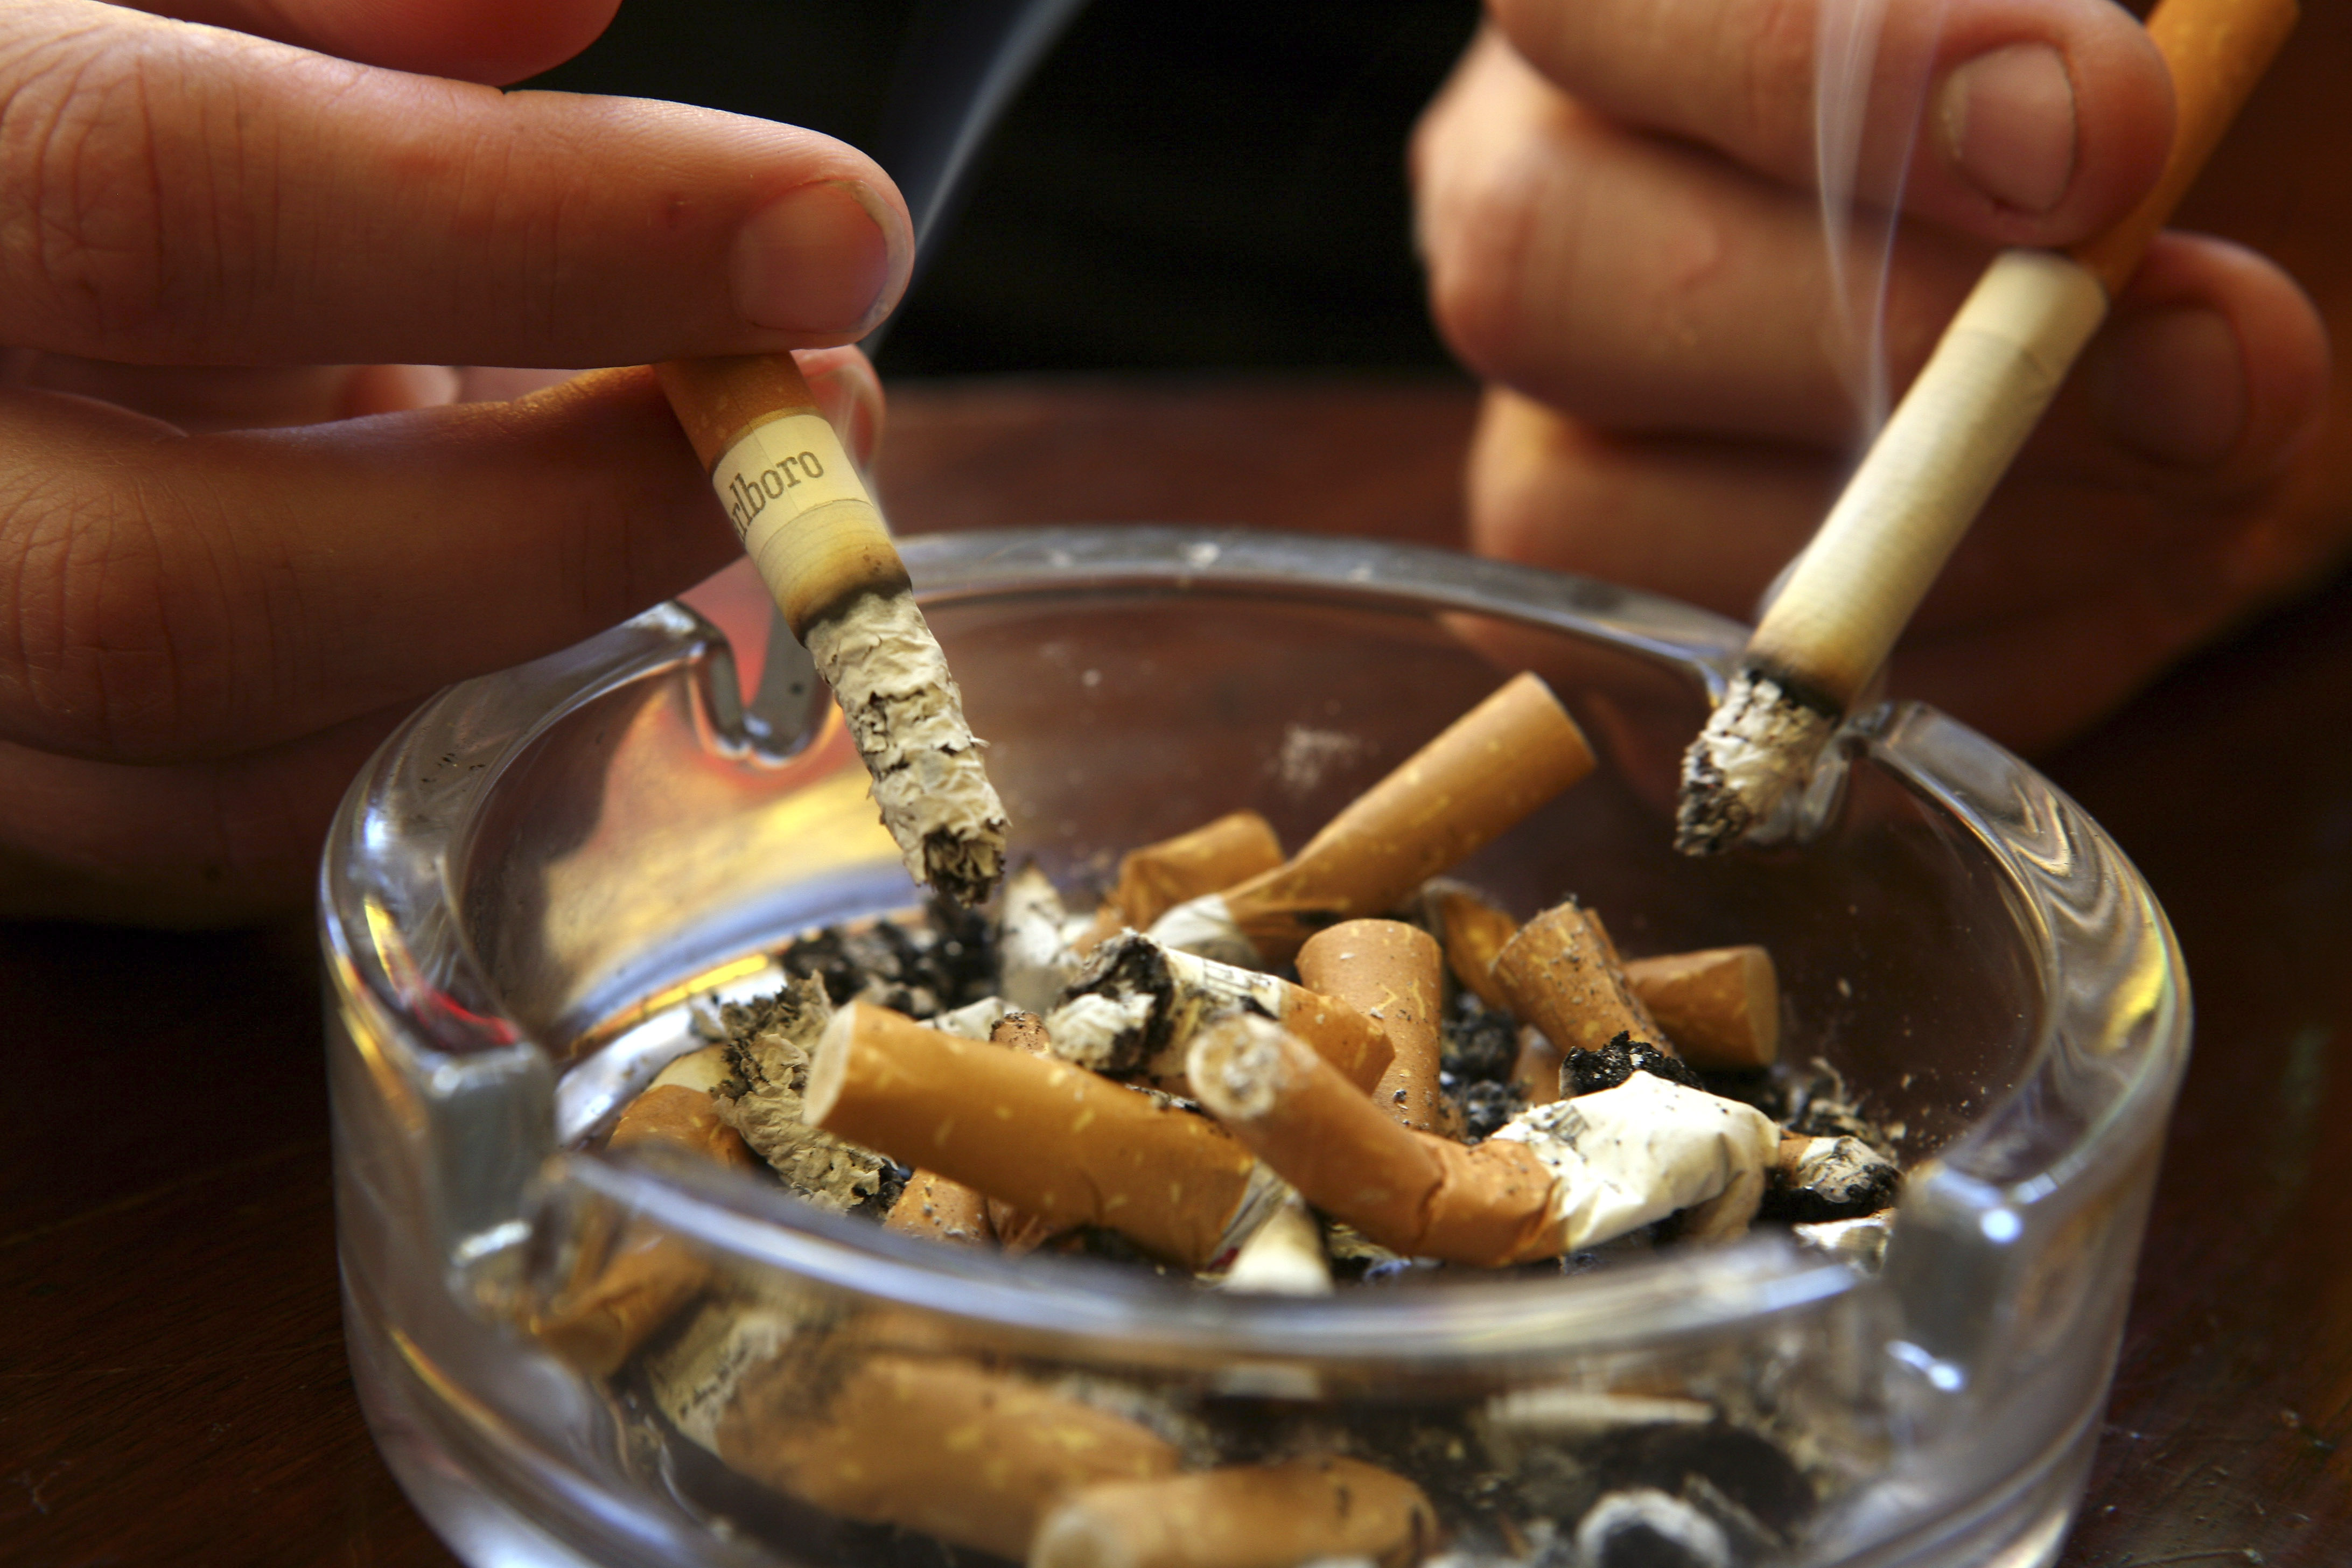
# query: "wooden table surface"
173, 1385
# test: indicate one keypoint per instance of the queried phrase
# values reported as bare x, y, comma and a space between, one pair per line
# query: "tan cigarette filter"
788, 485
1475, 932
1721, 1005
1560, 974
1396, 974
1459, 793
1157, 877
1413, 1193
937, 1209
1244, 1516
1536, 1071
1055, 1140
628, 1292
973, 1457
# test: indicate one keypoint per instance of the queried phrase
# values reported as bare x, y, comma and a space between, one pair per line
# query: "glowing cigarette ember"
1466, 788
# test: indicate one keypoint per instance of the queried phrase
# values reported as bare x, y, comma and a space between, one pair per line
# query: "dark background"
1217, 184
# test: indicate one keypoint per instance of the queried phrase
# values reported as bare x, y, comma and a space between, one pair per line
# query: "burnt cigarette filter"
1475, 781
1059, 1142
924, 1442
820, 544
1560, 974
628, 1289
1137, 1006
1556, 1179
1720, 1006
1242, 1516
1157, 877
1839, 1178
1396, 974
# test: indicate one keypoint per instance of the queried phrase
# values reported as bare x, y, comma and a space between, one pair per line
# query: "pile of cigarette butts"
1261, 1072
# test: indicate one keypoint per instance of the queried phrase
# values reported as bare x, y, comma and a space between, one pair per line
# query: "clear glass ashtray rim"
1686, 1295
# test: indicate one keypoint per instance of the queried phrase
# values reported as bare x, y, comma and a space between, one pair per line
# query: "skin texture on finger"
173, 194
1739, 76
181, 596
191, 844
461, 38
229, 398
1640, 284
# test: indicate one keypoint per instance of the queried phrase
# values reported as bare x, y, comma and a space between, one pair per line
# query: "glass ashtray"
544, 874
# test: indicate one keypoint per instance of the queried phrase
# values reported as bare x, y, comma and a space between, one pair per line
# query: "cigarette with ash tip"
1556, 1179
931, 1443
621, 1295
1242, 1516
1136, 1004
1055, 1140
1396, 974
1158, 876
1817, 1180
1478, 778
805, 516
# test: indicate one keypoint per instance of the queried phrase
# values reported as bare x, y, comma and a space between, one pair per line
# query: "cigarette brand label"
781, 470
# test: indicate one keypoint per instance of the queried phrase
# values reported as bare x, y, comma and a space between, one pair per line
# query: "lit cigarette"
1137, 1006
1928, 474
628, 1292
1556, 1179
937, 1209
1560, 974
975, 1457
803, 514
1157, 877
1474, 931
1396, 974
1053, 1139
1242, 1516
1720, 1007
1477, 779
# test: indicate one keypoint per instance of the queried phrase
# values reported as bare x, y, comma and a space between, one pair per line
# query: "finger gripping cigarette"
797, 502
1464, 789
1243, 1516
1561, 974
1721, 1007
1053, 1139
1415, 1194
1395, 974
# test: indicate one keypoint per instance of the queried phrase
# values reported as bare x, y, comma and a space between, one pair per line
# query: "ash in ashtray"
1261, 1094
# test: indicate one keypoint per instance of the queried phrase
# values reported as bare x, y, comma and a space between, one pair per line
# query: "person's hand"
1616, 203
244, 522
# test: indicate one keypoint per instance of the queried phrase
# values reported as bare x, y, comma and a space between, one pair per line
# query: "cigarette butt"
1835, 1178
622, 1295
1720, 1006
1413, 1193
1396, 974
1285, 1258
1478, 778
1474, 931
1057, 1140
1242, 1516
1022, 1031
1138, 1005
1158, 876
1032, 958
1560, 974
937, 1209
973, 1457
1537, 1070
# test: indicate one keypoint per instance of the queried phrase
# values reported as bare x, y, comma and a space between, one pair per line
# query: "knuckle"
1483, 262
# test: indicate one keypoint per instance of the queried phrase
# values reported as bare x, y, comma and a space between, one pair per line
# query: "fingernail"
2007, 125
819, 258
2170, 386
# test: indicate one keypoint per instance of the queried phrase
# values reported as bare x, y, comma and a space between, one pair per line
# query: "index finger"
172, 194
2037, 121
